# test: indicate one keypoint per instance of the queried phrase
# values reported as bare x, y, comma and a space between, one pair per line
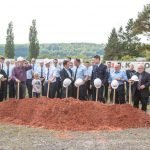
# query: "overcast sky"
67, 20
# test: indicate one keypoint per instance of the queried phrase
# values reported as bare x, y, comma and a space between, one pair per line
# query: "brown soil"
71, 114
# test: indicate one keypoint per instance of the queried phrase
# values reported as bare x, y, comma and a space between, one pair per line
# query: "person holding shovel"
19, 76
121, 77
3, 79
99, 71
50, 85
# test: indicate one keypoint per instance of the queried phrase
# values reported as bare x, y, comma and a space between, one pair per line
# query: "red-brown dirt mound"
71, 114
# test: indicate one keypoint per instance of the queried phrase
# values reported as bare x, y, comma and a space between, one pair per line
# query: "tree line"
33, 42
124, 44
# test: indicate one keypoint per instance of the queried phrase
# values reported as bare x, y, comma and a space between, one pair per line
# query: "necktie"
47, 73
75, 74
33, 67
41, 72
139, 83
2, 66
8, 71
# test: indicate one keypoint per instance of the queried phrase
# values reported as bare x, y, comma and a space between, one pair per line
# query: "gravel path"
14, 137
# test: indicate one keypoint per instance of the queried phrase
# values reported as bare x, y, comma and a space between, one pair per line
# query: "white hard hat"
46, 61
1, 76
20, 59
114, 84
134, 78
66, 82
78, 82
97, 83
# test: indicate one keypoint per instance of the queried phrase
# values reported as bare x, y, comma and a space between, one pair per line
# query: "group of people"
46, 79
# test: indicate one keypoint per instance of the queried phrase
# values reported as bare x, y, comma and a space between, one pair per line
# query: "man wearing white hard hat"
121, 77
19, 76
66, 73
40, 70
141, 88
50, 79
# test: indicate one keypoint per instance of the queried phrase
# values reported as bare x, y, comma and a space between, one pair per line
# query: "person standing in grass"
36, 85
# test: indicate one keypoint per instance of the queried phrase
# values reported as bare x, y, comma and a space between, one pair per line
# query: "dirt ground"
14, 137
24, 138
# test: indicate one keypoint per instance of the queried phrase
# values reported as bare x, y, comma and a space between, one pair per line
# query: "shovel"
48, 90
78, 93
130, 94
18, 90
66, 92
114, 96
96, 94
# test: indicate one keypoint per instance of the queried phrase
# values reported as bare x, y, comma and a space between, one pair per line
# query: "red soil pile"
71, 114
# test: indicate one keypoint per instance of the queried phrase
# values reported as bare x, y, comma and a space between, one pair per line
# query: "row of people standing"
53, 74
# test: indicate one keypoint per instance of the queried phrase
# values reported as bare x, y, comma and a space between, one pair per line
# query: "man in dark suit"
99, 71
2, 83
141, 88
130, 72
66, 72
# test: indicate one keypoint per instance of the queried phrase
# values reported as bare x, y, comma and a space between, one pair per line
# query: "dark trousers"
22, 90
11, 87
42, 82
29, 87
88, 90
2, 88
70, 88
35, 94
5, 89
100, 94
128, 92
58, 82
52, 89
120, 95
106, 91
82, 92
138, 98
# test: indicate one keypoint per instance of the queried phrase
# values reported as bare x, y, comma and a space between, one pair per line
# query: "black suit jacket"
144, 81
130, 73
64, 74
99, 72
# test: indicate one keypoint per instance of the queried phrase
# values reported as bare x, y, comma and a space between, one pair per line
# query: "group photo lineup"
75, 75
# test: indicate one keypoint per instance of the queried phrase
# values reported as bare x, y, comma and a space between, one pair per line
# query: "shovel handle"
96, 94
48, 90
18, 90
78, 92
114, 96
66, 92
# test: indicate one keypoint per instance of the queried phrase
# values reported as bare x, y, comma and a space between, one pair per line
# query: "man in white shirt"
80, 72
29, 74
50, 79
58, 69
41, 70
8, 70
